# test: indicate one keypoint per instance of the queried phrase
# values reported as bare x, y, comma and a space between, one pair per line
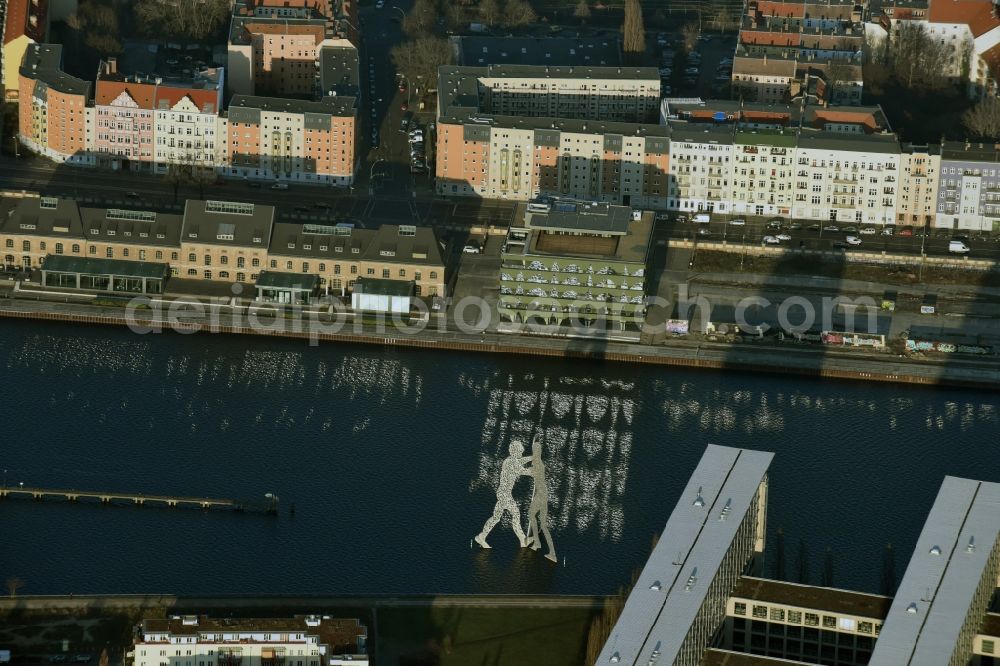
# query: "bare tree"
689, 35
104, 658
419, 59
13, 585
489, 12
839, 74
983, 120
185, 19
633, 30
517, 13
582, 10
919, 62
457, 16
420, 21
177, 175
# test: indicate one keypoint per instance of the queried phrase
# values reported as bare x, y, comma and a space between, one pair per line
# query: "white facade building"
701, 169
187, 130
309, 640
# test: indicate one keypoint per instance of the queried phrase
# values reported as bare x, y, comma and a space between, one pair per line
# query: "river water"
390, 457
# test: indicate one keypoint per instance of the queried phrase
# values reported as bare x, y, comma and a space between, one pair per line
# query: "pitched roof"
108, 90
977, 14
25, 17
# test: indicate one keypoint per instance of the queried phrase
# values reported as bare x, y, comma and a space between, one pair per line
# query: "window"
208, 275
255, 262
795, 617
385, 273
92, 249
434, 275
740, 608
322, 268
10, 242
288, 265
76, 248
988, 646
109, 253
192, 257
59, 248
224, 259
371, 271
812, 620
865, 627
26, 246
760, 611
829, 622
778, 614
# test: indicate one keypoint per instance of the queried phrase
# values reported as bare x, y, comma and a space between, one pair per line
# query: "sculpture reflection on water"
516, 465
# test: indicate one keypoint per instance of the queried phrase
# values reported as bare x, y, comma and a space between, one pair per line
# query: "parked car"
783, 237
404, 106
905, 231
770, 240
132, 195
794, 226
849, 229
868, 231
887, 231
831, 227
402, 86
853, 240
738, 222
280, 186
472, 247
416, 136
958, 247
704, 232
404, 124
774, 224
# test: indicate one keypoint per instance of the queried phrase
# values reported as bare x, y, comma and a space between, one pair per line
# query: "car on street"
783, 237
404, 124
905, 231
840, 245
402, 86
887, 231
280, 186
738, 222
704, 232
868, 231
770, 240
380, 4
416, 136
472, 247
794, 226
853, 240
831, 227
404, 106
850, 230
132, 195
814, 227
774, 224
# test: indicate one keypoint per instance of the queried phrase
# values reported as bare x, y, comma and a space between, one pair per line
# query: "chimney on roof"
111, 66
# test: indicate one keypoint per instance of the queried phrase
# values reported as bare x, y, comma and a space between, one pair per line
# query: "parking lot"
705, 71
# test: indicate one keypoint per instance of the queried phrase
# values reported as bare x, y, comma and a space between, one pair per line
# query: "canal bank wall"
746, 357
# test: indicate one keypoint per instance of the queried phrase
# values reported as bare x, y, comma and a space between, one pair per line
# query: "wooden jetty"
137, 499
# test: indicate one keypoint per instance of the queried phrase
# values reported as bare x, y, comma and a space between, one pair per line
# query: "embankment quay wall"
824, 362
283, 603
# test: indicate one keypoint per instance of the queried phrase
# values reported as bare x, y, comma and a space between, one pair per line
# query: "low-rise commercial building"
575, 263
193, 640
104, 275
224, 240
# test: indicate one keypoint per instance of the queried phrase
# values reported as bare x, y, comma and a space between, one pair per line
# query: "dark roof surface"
62, 263
291, 281
227, 223
383, 287
824, 599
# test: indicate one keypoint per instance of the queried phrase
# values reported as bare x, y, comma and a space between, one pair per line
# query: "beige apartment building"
517, 132
919, 169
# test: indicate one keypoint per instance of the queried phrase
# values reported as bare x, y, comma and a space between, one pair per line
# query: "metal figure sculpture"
538, 511
512, 467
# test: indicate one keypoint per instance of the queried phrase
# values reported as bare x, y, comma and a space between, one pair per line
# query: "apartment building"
198, 640
786, 50
295, 140
519, 132
276, 48
25, 22
701, 166
186, 122
968, 187
567, 262
123, 119
917, 196
54, 117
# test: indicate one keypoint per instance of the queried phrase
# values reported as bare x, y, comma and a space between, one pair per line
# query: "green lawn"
482, 636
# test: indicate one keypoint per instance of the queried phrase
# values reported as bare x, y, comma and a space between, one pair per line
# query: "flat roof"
43, 62
331, 105
948, 563
826, 599
991, 625
673, 585
574, 216
631, 246
289, 281
339, 634
475, 50
384, 287
61, 263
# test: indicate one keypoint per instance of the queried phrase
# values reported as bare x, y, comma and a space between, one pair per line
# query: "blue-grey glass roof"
935, 595
664, 602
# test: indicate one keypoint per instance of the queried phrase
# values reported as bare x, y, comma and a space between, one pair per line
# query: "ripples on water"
391, 457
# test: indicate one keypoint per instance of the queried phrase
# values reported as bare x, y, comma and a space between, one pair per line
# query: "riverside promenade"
791, 359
